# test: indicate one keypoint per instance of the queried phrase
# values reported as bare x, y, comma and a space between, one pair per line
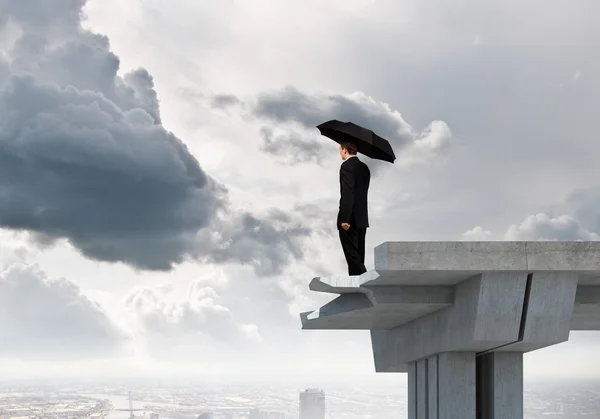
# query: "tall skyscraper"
312, 404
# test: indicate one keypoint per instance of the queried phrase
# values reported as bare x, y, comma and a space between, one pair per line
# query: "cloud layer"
83, 155
544, 227
51, 319
189, 326
289, 117
573, 220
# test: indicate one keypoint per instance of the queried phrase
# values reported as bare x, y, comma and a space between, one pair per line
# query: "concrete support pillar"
443, 387
458, 316
500, 385
461, 385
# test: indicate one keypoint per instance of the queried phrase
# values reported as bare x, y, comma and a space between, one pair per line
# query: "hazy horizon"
165, 198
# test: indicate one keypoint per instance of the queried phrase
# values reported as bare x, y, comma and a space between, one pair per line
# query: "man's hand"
345, 226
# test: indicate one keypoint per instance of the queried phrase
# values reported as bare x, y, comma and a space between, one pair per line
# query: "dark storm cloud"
267, 243
291, 105
288, 110
4, 70
83, 154
42, 17
51, 319
290, 144
121, 188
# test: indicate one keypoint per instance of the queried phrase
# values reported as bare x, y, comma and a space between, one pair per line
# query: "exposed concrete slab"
546, 318
357, 312
371, 283
464, 257
587, 295
342, 284
450, 256
486, 315
412, 294
434, 308
352, 284
386, 307
586, 317
575, 256
379, 307
586, 313
435, 265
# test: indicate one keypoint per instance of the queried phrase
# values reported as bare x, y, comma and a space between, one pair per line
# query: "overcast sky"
165, 198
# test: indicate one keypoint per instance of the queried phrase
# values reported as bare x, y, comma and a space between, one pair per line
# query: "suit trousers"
353, 244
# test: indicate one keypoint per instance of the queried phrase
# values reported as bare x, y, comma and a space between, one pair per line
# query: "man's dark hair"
350, 147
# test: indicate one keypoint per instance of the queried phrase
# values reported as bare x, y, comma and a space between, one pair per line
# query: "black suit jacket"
355, 177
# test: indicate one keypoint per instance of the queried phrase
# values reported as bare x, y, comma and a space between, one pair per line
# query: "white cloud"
433, 142
44, 318
538, 227
545, 227
186, 327
477, 233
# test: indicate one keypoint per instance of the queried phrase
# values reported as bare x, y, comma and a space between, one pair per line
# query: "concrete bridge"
458, 316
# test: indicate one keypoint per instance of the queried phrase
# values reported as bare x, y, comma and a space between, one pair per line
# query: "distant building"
312, 404
153, 415
227, 414
266, 414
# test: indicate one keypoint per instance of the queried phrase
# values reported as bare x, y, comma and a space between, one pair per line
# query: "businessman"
353, 217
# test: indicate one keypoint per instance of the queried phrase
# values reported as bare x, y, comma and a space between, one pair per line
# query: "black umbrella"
368, 143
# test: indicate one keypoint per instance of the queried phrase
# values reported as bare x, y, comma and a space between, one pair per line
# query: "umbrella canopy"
367, 142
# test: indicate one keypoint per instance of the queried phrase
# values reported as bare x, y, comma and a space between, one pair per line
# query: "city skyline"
165, 198
53, 399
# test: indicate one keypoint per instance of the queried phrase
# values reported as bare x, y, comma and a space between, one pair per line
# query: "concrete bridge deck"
458, 316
